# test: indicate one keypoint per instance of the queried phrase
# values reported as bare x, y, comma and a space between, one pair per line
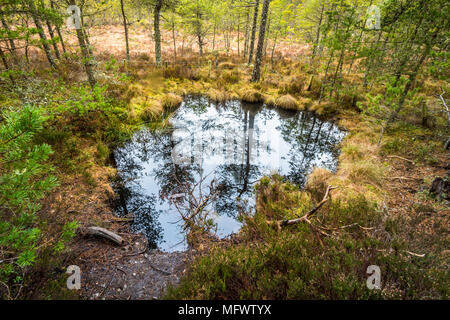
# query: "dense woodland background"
69, 96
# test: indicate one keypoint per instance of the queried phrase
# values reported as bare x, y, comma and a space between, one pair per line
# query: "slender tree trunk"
322, 86
259, 50
246, 33
199, 31
253, 35
156, 18
87, 58
37, 22
58, 30
125, 27
316, 42
5, 63
238, 35
267, 36
86, 36
174, 43
411, 80
52, 36
273, 47
214, 36
12, 45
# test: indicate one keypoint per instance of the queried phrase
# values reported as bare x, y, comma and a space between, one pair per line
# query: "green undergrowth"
80, 126
300, 262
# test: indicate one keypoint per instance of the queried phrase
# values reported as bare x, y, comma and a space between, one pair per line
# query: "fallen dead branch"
401, 158
304, 218
444, 103
120, 220
404, 251
405, 178
159, 270
103, 233
346, 227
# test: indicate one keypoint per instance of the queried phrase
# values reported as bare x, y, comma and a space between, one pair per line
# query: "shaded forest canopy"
78, 78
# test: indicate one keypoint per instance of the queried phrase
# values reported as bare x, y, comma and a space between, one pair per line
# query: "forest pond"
219, 149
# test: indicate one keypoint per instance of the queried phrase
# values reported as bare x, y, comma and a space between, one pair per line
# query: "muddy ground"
129, 272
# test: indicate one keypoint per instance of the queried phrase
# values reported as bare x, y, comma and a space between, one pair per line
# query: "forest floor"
133, 271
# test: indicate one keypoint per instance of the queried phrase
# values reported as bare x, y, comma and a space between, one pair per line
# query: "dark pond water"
223, 149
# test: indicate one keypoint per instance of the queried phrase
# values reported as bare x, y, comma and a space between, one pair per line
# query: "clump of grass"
353, 152
226, 65
102, 153
277, 199
269, 100
318, 182
294, 85
322, 108
251, 95
313, 87
366, 172
349, 100
181, 72
230, 76
171, 101
132, 115
304, 103
219, 95
287, 102
151, 110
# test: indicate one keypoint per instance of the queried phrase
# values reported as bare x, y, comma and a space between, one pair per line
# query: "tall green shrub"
25, 177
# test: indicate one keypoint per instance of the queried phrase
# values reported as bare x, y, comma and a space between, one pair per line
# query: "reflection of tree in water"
313, 144
310, 140
134, 200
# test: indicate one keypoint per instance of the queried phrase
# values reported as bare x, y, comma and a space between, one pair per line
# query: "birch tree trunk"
125, 27
253, 35
52, 36
259, 50
58, 30
85, 52
37, 22
158, 6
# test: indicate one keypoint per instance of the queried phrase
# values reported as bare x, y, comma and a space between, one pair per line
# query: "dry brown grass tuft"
287, 102
151, 110
366, 172
317, 183
323, 108
171, 101
304, 103
226, 66
294, 85
219, 95
251, 95
230, 76
269, 100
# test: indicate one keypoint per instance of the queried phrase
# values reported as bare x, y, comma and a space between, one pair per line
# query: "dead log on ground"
103, 233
